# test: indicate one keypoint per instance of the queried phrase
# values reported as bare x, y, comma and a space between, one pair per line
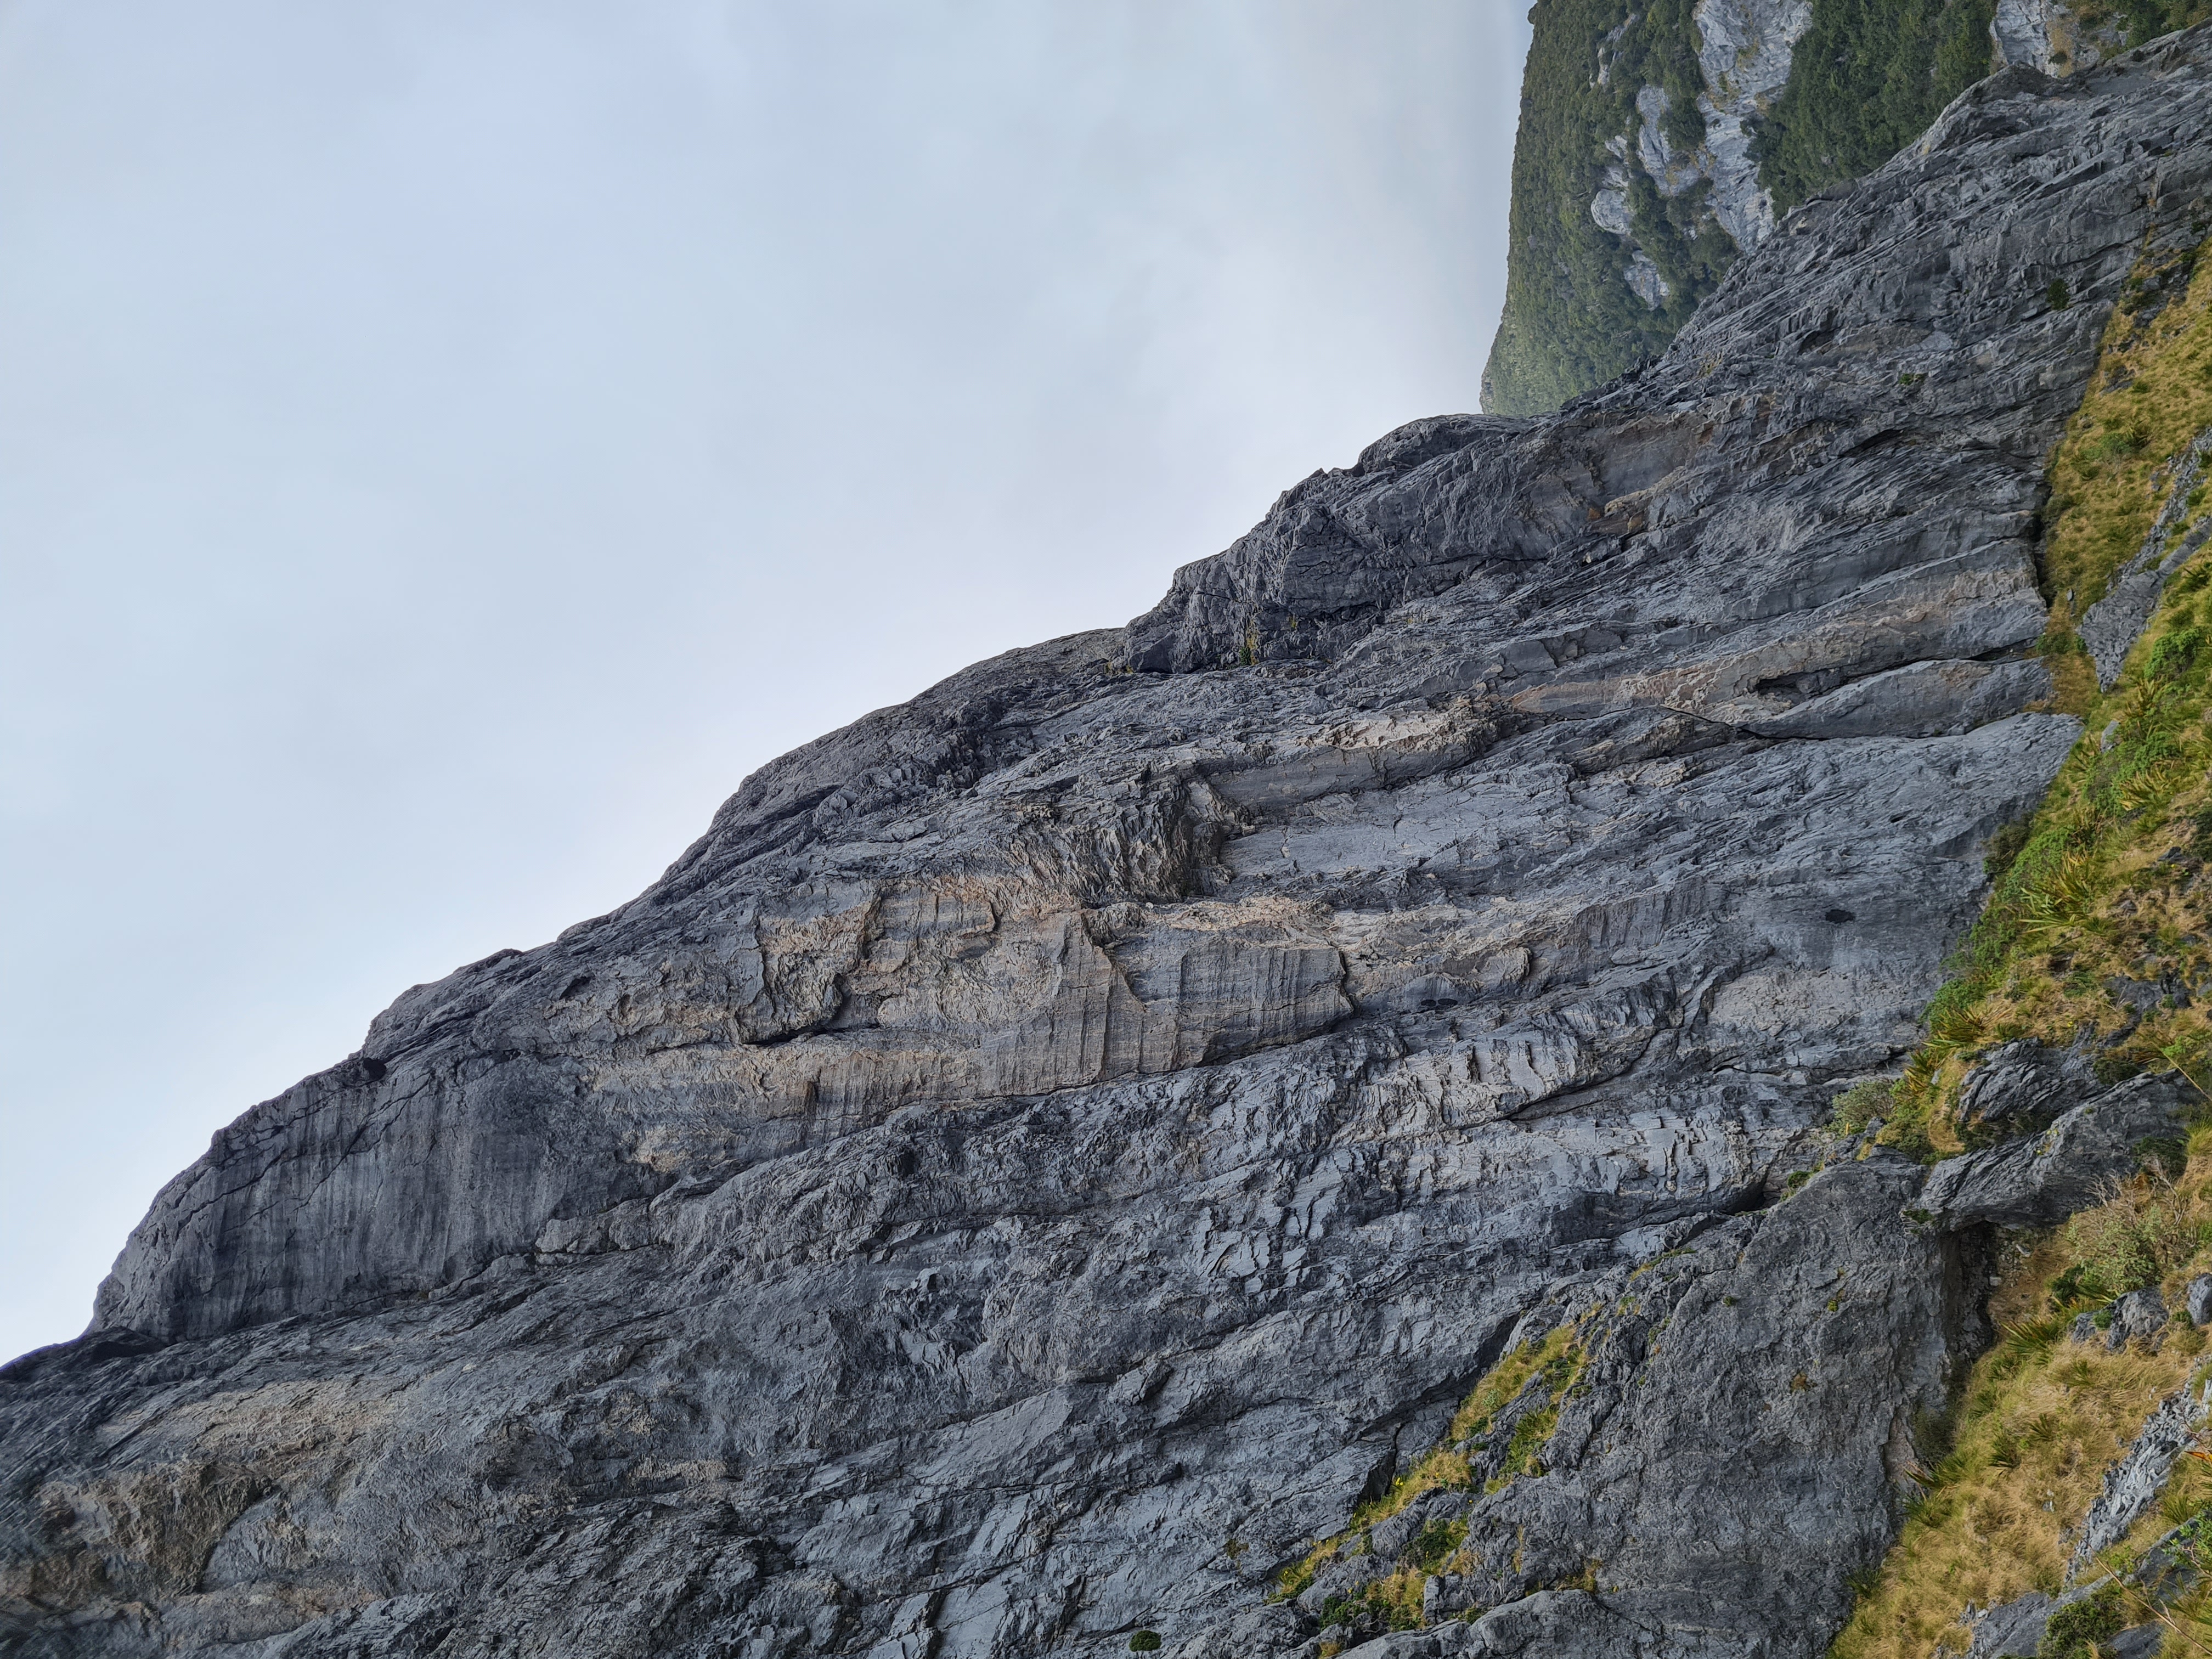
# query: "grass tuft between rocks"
2040, 1419
2096, 927
1550, 1366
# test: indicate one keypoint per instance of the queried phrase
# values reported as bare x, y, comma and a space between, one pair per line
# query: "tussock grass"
1398, 1597
2151, 394
2101, 888
1551, 1365
2040, 1419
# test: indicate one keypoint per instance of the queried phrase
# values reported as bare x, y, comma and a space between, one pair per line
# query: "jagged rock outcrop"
2133, 1483
2039, 1180
1051, 1149
1744, 51
2051, 37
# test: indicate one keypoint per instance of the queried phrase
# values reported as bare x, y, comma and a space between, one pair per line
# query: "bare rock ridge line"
1051, 1149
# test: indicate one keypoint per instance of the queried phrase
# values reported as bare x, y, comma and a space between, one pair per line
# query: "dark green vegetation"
2075, 1632
1570, 322
1865, 80
2138, 20
1869, 76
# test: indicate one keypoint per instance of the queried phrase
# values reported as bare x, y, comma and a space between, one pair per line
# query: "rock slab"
1051, 1149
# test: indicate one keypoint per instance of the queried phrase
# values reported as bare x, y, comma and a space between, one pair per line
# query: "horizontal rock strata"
1052, 1148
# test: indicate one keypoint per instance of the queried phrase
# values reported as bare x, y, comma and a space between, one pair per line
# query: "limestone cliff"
1053, 1149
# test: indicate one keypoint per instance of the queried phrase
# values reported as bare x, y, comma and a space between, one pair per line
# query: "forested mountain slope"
1658, 138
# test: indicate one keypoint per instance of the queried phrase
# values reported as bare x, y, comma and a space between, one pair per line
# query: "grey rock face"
1671, 170
1799, 1342
2051, 37
1051, 1149
2013, 1630
2023, 1085
2043, 1179
1744, 52
1609, 207
2021, 30
2138, 1316
2132, 1484
2198, 1299
1413, 1644
1645, 281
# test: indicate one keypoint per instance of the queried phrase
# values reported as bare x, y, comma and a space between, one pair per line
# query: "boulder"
2037, 1180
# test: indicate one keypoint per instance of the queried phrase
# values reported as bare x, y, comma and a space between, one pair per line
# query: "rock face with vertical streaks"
1051, 1149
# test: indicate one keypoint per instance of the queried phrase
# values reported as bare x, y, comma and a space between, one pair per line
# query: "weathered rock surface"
1801, 1342
2042, 1179
2023, 1085
2013, 1629
2133, 1483
1052, 1148
1744, 52
2051, 37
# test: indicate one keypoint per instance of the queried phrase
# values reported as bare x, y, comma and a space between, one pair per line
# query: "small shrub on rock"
2076, 1629
1860, 1105
2125, 1243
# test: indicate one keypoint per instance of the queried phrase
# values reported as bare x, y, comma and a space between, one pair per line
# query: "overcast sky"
445, 446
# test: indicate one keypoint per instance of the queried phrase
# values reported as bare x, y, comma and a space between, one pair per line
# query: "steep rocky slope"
2062, 1511
1053, 1152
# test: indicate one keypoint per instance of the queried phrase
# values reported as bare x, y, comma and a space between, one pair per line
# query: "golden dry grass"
2039, 1421
1556, 1359
2151, 394
2100, 891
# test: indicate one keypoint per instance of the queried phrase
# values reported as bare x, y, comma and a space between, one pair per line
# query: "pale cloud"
444, 446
